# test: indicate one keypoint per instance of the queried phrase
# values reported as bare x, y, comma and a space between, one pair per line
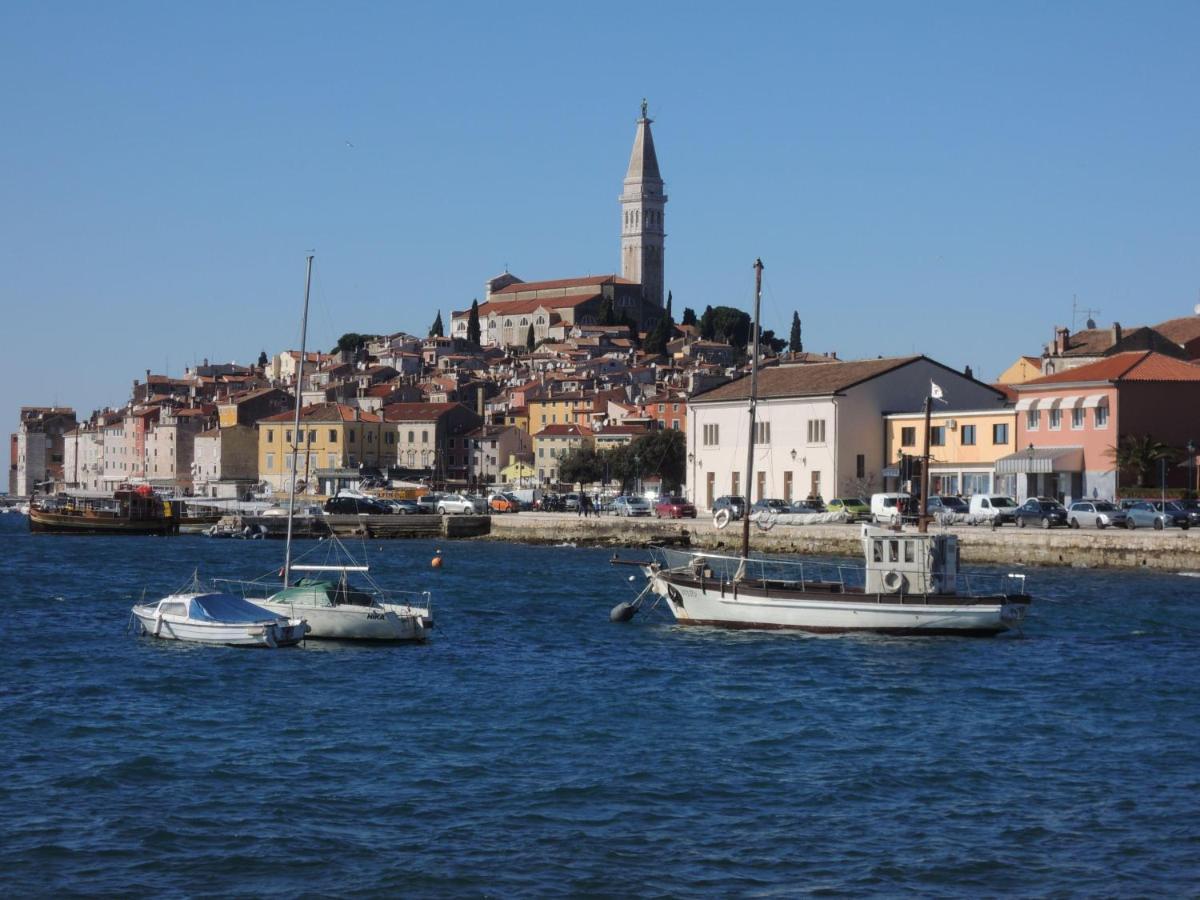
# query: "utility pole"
758, 270
923, 518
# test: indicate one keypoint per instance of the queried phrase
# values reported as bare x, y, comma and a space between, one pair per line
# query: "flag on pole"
934, 391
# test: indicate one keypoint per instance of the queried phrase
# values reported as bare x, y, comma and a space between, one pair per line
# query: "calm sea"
534, 748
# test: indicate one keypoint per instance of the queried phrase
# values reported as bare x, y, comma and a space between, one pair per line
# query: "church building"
511, 306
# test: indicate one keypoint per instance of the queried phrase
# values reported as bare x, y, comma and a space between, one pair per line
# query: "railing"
264, 590
759, 568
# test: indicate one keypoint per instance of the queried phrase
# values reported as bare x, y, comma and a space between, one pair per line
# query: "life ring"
893, 581
722, 518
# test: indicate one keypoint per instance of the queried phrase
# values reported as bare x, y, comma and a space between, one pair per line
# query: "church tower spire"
642, 204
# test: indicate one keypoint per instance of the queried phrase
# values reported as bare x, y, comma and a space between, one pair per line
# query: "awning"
1026, 403
1041, 461
1093, 400
1069, 402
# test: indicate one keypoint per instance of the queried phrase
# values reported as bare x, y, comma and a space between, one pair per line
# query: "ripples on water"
533, 747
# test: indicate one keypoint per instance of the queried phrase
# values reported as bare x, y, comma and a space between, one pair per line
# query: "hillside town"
556, 384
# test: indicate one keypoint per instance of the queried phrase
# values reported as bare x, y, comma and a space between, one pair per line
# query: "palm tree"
1140, 454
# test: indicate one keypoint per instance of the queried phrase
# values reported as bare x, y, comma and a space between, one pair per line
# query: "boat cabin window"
877, 551
909, 552
893, 551
173, 609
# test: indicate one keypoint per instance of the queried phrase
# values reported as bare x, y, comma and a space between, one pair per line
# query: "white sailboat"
323, 595
909, 583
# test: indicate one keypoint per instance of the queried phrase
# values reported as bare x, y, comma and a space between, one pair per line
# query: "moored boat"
128, 511
210, 617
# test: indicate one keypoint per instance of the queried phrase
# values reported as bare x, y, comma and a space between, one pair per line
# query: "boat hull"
75, 523
256, 634
356, 623
824, 612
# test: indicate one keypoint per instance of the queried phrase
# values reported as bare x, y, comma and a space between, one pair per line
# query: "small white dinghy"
217, 618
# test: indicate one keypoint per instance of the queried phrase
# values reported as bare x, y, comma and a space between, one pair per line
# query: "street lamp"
1030, 481
1191, 452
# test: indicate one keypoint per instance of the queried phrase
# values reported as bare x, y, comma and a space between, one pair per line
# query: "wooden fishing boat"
128, 511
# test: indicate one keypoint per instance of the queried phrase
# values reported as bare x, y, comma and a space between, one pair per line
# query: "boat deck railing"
263, 590
728, 569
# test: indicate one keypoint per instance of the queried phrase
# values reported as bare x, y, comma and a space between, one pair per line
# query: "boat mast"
758, 267
287, 550
923, 518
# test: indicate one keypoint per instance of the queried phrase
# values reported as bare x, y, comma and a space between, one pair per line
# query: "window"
451, 443
908, 436
937, 436
390, 437
662, 407
333, 435
270, 461
1101, 416
352, 436
762, 432
411, 436
425, 435
1077, 418
967, 435
674, 407
712, 435
860, 467
1055, 419
976, 483
270, 435
816, 431
674, 424
1000, 433
287, 435
1032, 418
541, 452
312, 436
735, 484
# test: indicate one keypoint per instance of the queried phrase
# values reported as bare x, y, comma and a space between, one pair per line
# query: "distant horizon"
941, 180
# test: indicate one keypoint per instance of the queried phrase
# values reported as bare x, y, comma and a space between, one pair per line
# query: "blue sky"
938, 177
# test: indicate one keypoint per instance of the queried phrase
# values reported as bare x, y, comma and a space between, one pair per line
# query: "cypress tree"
530, 341
436, 329
689, 316
795, 344
473, 332
670, 318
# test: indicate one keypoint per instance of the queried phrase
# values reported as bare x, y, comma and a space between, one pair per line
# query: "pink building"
1068, 423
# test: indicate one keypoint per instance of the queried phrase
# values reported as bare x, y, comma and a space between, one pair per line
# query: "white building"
820, 426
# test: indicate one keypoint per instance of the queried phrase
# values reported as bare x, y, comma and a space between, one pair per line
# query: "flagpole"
923, 519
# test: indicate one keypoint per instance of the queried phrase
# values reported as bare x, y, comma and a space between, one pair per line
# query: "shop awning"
1041, 461
1026, 403
1093, 400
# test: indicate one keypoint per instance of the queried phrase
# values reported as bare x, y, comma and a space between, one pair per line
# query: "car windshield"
1003, 501
1104, 507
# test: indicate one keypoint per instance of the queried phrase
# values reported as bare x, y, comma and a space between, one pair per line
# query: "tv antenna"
1077, 311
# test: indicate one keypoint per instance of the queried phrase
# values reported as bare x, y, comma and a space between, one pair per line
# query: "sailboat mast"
287, 550
758, 267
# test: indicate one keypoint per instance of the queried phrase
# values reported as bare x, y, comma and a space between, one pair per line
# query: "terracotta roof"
1007, 391
1183, 330
808, 380
416, 412
521, 287
1137, 366
561, 430
325, 412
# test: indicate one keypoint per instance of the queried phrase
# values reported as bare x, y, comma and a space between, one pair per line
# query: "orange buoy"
437, 560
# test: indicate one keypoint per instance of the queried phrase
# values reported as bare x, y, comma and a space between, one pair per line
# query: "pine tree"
473, 332
530, 341
795, 344
262, 360
689, 316
436, 329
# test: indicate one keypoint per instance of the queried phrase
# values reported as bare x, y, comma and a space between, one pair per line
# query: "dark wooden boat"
128, 511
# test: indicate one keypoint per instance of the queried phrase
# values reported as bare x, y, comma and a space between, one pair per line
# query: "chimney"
1116, 333
1061, 341
967, 371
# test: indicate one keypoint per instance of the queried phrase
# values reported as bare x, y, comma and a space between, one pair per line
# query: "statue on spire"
644, 105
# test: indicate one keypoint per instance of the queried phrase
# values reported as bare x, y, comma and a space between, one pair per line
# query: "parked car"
449, 504
735, 505
632, 506
770, 504
401, 507
504, 503
1095, 514
1044, 511
428, 502
1145, 514
858, 509
997, 507
355, 506
571, 502
1193, 509
806, 507
889, 508
674, 508
1184, 517
949, 504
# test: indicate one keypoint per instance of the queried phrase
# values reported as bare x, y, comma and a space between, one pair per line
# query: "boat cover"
228, 608
321, 592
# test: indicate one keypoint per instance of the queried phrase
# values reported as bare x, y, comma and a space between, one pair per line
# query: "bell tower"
642, 204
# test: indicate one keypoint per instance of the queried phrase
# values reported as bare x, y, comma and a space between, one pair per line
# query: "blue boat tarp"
228, 608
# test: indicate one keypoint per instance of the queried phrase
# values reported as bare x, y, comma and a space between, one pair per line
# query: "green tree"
607, 314
726, 324
1139, 454
795, 343
530, 340
583, 465
473, 332
662, 453
262, 359
436, 329
706, 324
656, 340
689, 316
350, 342
669, 317
773, 344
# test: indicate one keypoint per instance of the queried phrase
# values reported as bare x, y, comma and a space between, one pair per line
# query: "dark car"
948, 505
1192, 507
735, 505
355, 506
674, 508
1044, 511
770, 504
1180, 516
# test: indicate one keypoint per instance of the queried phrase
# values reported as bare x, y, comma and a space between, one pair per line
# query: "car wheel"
1186, 525
1074, 523
441, 510
1130, 524
1158, 524
1045, 522
1100, 524
1021, 523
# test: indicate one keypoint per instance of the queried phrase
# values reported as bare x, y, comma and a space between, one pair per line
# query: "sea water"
532, 747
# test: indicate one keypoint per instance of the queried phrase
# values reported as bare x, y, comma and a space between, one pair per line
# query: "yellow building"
332, 436
964, 447
1026, 368
557, 410
554, 442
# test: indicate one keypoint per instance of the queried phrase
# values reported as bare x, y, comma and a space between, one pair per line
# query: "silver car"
460, 503
631, 506
1095, 514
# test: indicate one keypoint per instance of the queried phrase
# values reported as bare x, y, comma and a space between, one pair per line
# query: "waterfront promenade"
1172, 550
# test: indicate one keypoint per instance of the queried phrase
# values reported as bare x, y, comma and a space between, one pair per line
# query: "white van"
997, 507
887, 509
